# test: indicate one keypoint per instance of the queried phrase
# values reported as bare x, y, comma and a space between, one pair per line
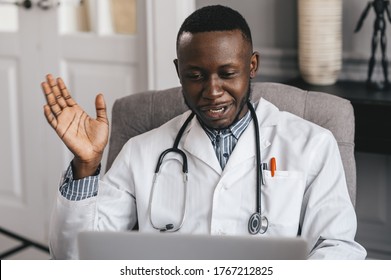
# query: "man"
215, 63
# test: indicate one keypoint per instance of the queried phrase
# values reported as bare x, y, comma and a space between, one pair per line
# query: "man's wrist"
85, 169
75, 190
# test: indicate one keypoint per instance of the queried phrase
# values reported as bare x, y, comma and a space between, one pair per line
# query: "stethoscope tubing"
257, 223
174, 149
258, 157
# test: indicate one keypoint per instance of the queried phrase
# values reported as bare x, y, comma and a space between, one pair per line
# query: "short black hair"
215, 18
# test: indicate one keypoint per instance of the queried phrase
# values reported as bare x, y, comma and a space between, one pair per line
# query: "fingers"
64, 92
100, 105
56, 91
49, 116
51, 99
57, 95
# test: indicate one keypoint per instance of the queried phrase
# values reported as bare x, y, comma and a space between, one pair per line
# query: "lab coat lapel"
199, 145
268, 116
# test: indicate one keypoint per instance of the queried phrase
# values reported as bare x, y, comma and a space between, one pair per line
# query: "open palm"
84, 136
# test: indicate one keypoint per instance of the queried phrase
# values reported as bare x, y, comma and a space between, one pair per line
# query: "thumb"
100, 106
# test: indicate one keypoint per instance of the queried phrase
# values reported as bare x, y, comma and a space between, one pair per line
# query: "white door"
94, 52
22, 193
43, 39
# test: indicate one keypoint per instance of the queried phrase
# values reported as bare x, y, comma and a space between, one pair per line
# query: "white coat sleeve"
114, 208
328, 219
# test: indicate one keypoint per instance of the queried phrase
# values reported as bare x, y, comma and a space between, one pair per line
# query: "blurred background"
120, 47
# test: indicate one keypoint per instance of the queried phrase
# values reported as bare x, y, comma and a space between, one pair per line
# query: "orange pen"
273, 165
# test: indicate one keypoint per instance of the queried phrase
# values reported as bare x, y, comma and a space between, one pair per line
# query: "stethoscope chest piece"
257, 224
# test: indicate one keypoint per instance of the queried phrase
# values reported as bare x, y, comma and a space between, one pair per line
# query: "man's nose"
213, 88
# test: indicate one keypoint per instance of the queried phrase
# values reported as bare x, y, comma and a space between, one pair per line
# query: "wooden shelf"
372, 109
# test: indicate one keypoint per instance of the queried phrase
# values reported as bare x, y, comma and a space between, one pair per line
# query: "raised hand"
84, 136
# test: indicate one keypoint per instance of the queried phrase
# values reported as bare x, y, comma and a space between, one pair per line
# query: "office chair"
141, 112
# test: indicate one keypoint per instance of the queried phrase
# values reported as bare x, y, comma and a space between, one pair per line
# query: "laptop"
134, 245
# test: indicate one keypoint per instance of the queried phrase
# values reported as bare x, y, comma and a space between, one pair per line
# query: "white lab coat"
308, 193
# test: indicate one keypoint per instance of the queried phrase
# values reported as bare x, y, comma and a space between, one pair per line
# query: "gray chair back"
137, 113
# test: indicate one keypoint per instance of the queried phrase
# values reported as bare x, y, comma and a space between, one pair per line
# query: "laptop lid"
168, 246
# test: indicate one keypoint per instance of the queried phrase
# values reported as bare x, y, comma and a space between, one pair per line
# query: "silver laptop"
167, 246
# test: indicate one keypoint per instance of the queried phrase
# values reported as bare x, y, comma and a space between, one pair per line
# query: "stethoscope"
257, 223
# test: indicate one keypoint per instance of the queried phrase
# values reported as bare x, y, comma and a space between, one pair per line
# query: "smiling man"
215, 69
223, 147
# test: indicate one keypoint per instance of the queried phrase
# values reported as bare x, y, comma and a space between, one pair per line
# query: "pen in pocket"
273, 166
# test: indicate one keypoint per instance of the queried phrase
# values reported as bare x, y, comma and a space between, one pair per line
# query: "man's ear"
254, 64
176, 67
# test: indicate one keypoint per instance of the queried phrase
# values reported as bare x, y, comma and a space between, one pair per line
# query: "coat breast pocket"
282, 198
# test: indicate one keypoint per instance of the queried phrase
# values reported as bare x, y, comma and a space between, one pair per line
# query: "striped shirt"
79, 189
223, 142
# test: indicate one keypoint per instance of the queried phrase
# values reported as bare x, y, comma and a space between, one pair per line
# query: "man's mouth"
215, 112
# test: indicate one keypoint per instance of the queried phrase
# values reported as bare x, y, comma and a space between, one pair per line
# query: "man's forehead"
187, 36
221, 47
187, 39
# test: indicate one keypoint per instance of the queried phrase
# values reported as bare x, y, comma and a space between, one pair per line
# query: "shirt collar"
235, 129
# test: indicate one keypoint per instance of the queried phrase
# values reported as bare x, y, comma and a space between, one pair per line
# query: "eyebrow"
195, 67
229, 65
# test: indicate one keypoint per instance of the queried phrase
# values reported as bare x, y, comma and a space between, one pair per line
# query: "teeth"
217, 110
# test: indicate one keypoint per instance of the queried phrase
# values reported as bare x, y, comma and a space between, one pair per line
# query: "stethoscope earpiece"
167, 228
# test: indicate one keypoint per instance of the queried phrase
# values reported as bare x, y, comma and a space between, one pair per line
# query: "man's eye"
227, 75
195, 76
